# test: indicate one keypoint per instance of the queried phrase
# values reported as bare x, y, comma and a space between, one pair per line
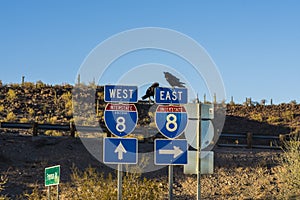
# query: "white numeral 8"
120, 126
171, 120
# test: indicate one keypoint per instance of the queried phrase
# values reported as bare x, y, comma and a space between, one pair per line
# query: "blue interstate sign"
171, 121
120, 93
120, 119
120, 150
170, 152
165, 95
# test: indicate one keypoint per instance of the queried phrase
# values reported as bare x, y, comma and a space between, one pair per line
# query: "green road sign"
52, 175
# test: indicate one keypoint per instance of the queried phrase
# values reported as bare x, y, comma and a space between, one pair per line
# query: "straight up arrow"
176, 151
120, 150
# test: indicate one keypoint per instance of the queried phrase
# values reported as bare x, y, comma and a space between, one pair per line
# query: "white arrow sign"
120, 150
176, 151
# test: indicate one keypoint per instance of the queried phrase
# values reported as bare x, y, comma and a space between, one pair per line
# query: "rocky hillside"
268, 119
53, 104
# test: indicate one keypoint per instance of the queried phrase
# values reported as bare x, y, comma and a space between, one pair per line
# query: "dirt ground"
23, 159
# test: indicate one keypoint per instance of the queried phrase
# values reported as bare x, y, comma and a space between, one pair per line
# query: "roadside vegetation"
289, 175
3, 181
279, 179
93, 185
38, 102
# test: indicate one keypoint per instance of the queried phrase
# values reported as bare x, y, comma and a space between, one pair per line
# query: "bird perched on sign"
173, 80
150, 91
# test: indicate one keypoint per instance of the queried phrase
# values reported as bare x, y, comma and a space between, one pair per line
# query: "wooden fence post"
249, 140
72, 129
281, 137
34, 128
97, 108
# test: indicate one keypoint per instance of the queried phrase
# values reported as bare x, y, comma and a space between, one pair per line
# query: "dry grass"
289, 175
3, 181
93, 185
241, 182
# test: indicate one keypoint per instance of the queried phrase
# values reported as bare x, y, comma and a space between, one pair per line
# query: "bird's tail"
144, 97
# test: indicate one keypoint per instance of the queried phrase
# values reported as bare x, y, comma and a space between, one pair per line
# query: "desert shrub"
53, 133
35, 194
3, 181
11, 95
69, 108
288, 116
93, 185
31, 112
67, 99
100, 96
10, 116
289, 175
256, 117
100, 114
28, 85
79, 120
24, 120
52, 120
293, 102
90, 184
91, 121
273, 119
39, 84
67, 96
137, 188
1, 108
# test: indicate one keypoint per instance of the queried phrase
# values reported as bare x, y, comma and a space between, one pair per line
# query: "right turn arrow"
176, 151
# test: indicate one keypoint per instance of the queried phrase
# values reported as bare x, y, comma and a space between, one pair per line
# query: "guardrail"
67, 127
250, 140
244, 140
58, 127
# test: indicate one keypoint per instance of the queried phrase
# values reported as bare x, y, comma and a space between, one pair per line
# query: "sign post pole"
57, 192
119, 181
171, 121
120, 119
170, 182
48, 192
198, 157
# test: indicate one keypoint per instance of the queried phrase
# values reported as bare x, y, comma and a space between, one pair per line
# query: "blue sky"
255, 44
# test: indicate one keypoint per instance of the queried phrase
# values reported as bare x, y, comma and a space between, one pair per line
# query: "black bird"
173, 80
150, 91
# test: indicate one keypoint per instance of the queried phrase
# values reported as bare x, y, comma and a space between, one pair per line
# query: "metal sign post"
171, 121
57, 192
171, 182
199, 154
48, 192
120, 119
200, 134
120, 181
